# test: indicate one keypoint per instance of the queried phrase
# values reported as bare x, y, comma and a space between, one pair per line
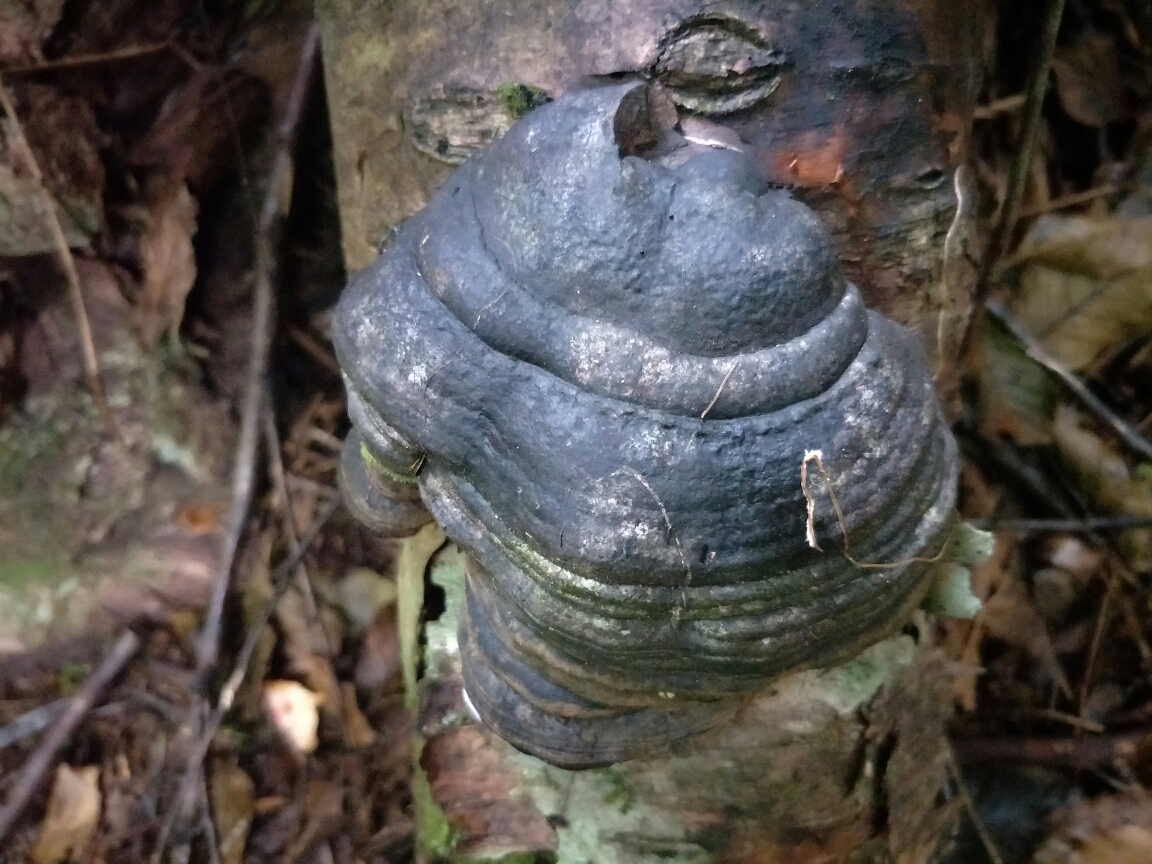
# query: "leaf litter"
1056, 669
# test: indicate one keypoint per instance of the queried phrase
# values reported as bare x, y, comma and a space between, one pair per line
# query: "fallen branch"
1018, 176
34, 770
1089, 524
67, 262
252, 404
31, 722
88, 59
281, 580
1084, 751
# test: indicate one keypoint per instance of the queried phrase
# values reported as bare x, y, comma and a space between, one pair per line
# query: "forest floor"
186, 275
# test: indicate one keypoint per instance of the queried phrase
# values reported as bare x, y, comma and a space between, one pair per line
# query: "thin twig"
281, 580
1072, 720
810, 525
1090, 401
244, 470
209, 826
280, 487
308, 344
88, 59
31, 722
973, 813
999, 106
720, 389
318, 489
1021, 164
1094, 647
951, 253
671, 532
1072, 200
1136, 631
1087, 525
34, 770
1096, 751
67, 262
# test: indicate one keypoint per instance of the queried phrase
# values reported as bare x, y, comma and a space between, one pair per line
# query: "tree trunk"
863, 110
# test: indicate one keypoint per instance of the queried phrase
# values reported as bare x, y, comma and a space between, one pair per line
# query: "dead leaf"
293, 709
379, 660
358, 732
200, 518
1086, 284
1011, 616
73, 813
1016, 394
1072, 554
1104, 478
305, 643
325, 811
232, 806
361, 593
25, 26
1102, 247
1116, 829
169, 262
1088, 80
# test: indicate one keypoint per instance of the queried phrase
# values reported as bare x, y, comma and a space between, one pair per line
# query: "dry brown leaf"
1016, 395
73, 813
361, 593
325, 810
1072, 554
379, 660
1101, 247
1011, 616
1116, 829
1104, 478
358, 732
25, 26
964, 638
1086, 284
232, 805
1088, 80
305, 644
293, 709
169, 262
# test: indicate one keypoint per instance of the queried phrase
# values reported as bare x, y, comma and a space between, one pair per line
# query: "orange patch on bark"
815, 159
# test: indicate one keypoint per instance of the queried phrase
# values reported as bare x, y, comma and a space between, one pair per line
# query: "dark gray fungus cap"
602, 362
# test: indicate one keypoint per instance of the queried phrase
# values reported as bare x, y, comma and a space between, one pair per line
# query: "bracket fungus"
599, 357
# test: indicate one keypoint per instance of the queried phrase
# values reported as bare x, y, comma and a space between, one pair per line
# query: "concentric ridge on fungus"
603, 370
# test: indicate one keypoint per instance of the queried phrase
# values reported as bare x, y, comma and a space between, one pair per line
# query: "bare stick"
34, 770
720, 389
280, 486
88, 59
209, 826
1094, 647
1073, 200
951, 253
973, 813
31, 722
1040, 354
999, 106
1018, 177
244, 470
281, 579
1092, 751
67, 262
